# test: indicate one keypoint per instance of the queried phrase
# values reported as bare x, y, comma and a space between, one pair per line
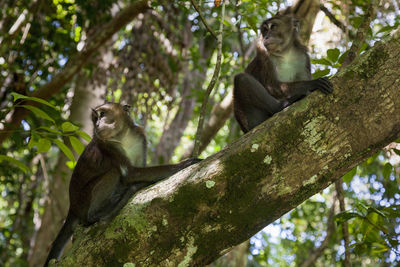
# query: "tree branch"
196, 215
76, 63
203, 19
335, 21
219, 115
345, 226
360, 36
210, 87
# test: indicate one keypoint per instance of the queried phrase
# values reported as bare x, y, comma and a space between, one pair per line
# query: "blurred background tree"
160, 61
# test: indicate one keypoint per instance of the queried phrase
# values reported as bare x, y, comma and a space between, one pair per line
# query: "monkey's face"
278, 33
108, 121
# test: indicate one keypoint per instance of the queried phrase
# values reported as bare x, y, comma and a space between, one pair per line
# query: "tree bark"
198, 214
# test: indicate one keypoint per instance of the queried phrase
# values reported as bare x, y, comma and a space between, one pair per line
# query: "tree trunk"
198, 214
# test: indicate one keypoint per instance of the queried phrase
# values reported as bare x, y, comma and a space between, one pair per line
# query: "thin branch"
315, 254
239, 32
361, 35
345, 228
203, 19
335, 21
210, 86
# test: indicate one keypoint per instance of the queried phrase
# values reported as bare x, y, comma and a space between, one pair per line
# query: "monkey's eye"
272, 26
101, 114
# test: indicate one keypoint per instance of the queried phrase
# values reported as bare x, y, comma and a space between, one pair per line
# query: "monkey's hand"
323, 84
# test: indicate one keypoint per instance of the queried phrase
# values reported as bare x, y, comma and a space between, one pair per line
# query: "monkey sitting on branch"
109, 171
278, 76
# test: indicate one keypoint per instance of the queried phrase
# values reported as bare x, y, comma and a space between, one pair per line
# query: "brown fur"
106, 175
278, 44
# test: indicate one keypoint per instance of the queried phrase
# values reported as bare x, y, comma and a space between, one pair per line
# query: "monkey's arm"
154, 174
293, 89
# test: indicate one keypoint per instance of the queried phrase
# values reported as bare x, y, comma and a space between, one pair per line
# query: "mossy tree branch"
198, 214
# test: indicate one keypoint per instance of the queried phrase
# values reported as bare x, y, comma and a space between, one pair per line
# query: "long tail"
62, 238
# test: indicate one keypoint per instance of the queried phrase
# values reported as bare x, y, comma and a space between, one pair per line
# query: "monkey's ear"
95, 116
296, 24
127, 108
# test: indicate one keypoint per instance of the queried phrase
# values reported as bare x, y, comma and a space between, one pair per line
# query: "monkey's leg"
113, 206
252, 102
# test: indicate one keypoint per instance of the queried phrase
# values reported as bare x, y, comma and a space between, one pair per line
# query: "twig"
360, 36
345, 229
203, 19
239, 31
335, 21
210, 86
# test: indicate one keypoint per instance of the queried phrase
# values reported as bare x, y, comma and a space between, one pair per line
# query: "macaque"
109, 171
278, 76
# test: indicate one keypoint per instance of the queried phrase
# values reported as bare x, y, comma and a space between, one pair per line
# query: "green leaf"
346, 215
378, 248
373, 209
349, 176
360, 248
342, 57
371, 159
15, 162
36, 99
49, 129
38, 112
84, 135
69, 127
368, 227
386, 29
252, 22
43, 145
71, 164
76, 144
33, 140
64, 149
392, 211
363, 47
321, 73
387, 170
226, 23
333, 54
321, 61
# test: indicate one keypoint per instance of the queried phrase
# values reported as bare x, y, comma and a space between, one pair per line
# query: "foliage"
151, 58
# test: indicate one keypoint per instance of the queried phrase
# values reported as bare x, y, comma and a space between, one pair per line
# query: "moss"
136, 220
190, 251
210, 184
371, 65
186, 201
267, 160
313, 135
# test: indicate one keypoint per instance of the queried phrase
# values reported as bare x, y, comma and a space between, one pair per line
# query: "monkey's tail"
62, 238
